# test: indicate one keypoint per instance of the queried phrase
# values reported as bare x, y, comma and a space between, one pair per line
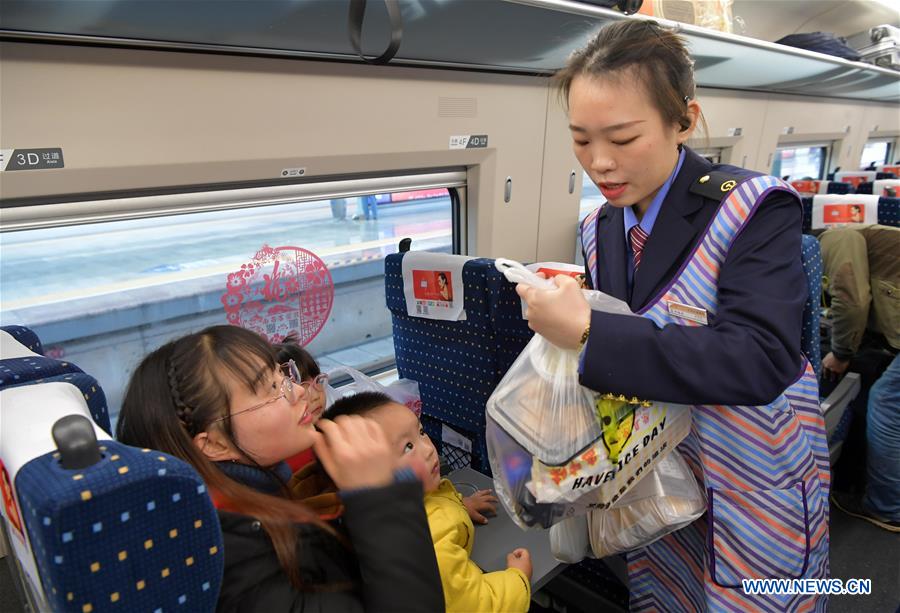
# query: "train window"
801, 162
591, 198
713, 156
104, 294
876, 152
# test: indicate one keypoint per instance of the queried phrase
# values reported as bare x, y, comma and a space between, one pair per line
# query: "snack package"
638, 435
668, 499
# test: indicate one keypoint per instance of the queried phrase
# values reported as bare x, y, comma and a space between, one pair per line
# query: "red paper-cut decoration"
281, 290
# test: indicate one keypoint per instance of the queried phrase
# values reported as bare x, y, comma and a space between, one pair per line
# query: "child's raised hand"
521, 559
355, 452
480, 502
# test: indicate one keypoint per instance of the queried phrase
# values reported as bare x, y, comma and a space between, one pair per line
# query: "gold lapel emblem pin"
728, 186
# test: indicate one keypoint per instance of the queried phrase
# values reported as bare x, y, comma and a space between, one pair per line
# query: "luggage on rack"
821, 42
885, 54
873, 36
879, 46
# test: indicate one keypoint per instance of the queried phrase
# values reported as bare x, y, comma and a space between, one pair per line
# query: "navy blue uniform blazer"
750, 351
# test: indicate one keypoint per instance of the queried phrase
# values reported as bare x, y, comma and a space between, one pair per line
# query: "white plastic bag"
404, 391
666, 500
517, 273
569, 540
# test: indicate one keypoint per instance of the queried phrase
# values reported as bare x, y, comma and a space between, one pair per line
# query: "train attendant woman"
219, 400
709, 255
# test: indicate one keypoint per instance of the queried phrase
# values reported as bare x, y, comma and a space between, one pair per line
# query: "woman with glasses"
219, 400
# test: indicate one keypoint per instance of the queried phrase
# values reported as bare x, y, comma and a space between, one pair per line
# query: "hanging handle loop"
354, 25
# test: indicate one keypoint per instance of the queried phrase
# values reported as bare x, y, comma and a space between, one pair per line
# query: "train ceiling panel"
522, 36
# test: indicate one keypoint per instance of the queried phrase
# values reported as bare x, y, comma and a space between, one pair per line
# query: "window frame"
891, 148
826, 159
196, 199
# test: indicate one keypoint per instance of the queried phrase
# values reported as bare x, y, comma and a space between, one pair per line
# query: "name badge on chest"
686, 311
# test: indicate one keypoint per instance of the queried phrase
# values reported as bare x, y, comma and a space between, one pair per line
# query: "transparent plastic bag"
666, 500
540, 401
404, 391
558, 449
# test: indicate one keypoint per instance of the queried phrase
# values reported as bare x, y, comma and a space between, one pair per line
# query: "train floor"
858, 550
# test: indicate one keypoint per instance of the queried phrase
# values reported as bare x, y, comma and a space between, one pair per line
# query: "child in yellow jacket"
466, 588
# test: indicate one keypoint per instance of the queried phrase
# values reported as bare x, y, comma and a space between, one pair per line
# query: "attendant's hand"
560, 315
834, 367
521, 559
355, 452
482, 501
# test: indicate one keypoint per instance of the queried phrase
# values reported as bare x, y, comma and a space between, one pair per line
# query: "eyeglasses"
317, 383
288, 389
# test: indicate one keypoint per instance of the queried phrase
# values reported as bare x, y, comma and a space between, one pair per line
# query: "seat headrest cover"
27, 415
11, 348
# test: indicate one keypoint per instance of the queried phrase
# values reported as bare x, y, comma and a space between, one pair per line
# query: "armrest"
834, 406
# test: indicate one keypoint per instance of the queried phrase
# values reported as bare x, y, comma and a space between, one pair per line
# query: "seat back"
807, 203
21, 365
811, 255
134, 531
25, 337
458, 363
836, 187
889, 212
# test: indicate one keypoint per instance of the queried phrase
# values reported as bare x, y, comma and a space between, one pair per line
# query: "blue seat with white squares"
135, 531
23, 364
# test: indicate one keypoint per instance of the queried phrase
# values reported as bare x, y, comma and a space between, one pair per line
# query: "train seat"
23, 336
889, 211
834, 406
129, 529
864, 188
20, 364
836, 187
811, 255
458, 363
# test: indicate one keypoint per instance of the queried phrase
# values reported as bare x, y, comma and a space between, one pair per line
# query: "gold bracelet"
584, 337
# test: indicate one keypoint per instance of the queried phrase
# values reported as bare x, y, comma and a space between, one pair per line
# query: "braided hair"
179, 391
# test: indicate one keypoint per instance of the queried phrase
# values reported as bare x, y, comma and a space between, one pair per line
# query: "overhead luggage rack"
512, 36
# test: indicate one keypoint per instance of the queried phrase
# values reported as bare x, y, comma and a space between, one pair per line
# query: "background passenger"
710, 256
219, 400
313, 381
863, 270
466, 588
